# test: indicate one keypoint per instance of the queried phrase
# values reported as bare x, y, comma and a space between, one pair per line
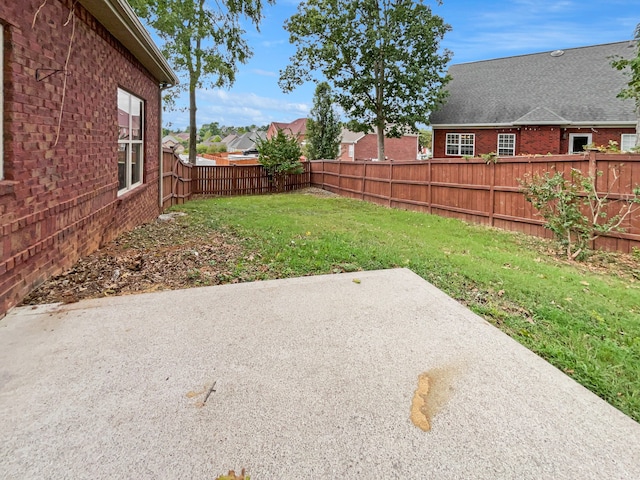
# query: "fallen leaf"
356, 280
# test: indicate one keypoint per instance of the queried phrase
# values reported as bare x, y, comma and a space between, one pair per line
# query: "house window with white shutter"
506, 144
130, 141
461, 144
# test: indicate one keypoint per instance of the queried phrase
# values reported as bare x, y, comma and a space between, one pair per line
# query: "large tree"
203, 41
632, 90
382, 58
323, 126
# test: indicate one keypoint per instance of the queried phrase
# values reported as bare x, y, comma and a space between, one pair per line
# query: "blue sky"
480, 30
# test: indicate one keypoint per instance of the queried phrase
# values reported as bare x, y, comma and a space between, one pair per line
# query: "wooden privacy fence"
475, 191
180, 181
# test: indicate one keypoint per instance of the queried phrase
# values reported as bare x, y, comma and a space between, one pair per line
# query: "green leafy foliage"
324, 126
203, 40
574, 210
279, 155
425, 138
381, 57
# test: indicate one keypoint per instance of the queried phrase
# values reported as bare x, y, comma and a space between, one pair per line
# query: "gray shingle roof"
577, 86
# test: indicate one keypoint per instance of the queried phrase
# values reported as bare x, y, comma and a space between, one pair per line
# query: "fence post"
429, 198
364, 178
592, 163
492, 193
390, 182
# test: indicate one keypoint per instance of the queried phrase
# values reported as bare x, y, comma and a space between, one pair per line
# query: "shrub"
574, 210
279, 155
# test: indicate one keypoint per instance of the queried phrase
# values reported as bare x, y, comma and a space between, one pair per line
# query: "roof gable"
296, 128
541, 116
574, 86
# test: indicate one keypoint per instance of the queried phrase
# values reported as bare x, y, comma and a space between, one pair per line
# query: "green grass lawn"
585, 323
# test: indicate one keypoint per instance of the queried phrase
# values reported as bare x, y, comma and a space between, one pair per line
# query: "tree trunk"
192, 125
381, 156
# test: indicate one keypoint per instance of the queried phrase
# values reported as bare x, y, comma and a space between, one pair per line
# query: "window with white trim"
130, 141
627, 142
506, 144
577, 142
460, 144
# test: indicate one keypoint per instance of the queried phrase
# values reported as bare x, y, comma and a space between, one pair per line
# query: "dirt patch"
161, 255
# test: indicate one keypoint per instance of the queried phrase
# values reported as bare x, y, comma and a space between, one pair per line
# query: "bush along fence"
488, 192
182, 181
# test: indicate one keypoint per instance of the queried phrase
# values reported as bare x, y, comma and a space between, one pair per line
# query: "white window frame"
129, 143
574, 135
1, 101
455, 140
627, 142
506, 145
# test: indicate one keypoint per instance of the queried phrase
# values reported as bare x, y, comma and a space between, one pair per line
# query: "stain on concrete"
419, 412
435, 388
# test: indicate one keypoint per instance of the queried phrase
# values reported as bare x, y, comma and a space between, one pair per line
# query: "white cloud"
264, 73
239, 109
272, 43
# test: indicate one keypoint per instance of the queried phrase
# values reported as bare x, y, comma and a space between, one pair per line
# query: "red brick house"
80, 137
297, 129
553, 102
360, 146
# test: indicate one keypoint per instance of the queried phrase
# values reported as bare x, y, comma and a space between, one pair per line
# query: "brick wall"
59, 202
397, 149
530, 140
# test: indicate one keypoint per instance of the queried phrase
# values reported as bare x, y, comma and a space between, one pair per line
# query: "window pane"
123, 114
136, 119
628, 142
136, 163
506, 144
453, 140
122, 166
466, 149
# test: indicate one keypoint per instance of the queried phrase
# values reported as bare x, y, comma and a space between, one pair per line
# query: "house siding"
397, 149
59, 202
530, 140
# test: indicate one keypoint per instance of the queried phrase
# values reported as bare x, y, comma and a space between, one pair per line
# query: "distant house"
244, 142
80, 91
364, 146
172, 143
297, 129
552, 102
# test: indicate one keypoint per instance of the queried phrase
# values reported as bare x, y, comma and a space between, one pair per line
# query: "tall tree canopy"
382, 58
203, 41
324, 126
633, 87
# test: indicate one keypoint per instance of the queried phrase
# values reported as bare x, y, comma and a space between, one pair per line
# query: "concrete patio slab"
303, 378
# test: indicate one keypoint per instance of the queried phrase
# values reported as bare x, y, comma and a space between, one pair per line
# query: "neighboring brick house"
364, 146
71, 182
297, 129
552, 102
